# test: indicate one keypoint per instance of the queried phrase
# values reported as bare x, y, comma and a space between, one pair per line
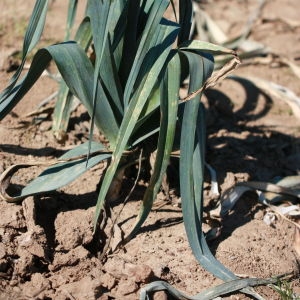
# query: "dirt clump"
47, 250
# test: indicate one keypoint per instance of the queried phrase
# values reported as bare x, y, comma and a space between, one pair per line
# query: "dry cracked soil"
46, 243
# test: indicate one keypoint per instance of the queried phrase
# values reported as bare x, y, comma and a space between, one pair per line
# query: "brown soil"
46, 247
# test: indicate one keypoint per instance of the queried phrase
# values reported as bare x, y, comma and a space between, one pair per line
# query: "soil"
46, 243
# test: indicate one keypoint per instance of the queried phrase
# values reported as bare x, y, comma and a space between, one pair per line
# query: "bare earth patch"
46, 244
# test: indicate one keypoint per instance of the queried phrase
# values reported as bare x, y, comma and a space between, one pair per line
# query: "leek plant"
131, 92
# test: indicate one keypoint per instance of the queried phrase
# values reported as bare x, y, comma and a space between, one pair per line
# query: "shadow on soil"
236, 146
41, 152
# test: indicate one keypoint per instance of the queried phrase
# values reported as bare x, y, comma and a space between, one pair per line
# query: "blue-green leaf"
61, 174
169, 104
211, 293
32, 37
99, 13
185, 20
192, 166
148, 38
164, 38
64, 102
78, 73
72, 9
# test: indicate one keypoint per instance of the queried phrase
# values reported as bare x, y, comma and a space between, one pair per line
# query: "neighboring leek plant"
131, 92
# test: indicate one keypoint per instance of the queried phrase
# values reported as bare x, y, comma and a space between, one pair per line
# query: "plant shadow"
243, 212
240, 144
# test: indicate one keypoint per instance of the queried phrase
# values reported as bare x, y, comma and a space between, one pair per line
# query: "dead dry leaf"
228, 68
